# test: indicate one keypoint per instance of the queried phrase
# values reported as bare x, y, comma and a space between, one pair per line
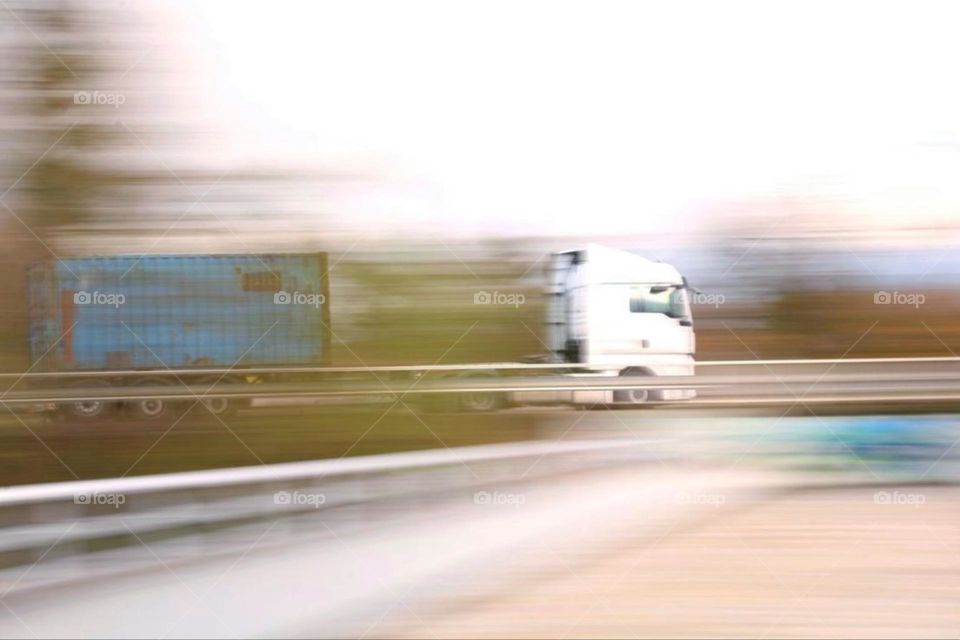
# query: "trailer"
158, 313
161, 320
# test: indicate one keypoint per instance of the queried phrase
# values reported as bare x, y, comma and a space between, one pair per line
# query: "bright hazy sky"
598, 117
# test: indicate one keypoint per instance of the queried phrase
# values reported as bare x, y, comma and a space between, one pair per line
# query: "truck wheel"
88, 410
633, 396
477, 401
153, 409
480, 401
220, 407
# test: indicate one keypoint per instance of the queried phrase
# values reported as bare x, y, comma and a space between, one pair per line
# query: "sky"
593, 118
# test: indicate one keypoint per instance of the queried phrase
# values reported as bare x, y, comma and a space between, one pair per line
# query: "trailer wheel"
220, 407
153, 409
88, 410
480, 401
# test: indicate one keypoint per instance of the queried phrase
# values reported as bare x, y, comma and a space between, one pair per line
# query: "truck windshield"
670, 300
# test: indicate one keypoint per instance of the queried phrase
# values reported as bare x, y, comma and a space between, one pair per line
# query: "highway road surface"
630, 526
829, 562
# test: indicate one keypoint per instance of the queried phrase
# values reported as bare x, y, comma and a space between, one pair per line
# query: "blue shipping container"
179, 311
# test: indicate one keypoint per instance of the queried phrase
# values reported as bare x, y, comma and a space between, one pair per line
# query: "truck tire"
88, 411
480, 401
635, 397
153, 409
220, 407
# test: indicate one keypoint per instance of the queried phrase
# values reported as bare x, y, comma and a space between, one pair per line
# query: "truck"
132, 320
619, 313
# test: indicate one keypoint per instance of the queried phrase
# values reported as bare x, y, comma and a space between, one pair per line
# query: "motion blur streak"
503, 319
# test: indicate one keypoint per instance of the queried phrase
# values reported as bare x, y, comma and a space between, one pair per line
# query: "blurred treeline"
814, 284
81, 118
422, 309
830, 324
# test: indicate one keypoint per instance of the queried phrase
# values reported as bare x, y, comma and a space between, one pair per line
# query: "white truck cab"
618, 313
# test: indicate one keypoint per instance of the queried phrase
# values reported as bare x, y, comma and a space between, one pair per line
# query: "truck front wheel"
634, 397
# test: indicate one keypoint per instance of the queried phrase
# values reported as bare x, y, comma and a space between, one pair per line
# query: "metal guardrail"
748, 383
409, 524
494, 366
827, 361
764, 387
182, 391
56, 519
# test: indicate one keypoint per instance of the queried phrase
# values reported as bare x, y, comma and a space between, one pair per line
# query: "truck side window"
671, 302
643, 301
